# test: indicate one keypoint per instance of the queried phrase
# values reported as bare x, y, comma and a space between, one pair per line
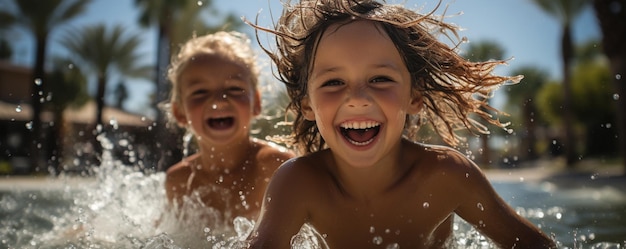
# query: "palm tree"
40, 18
566, 12
611, 15
186, 16
484, 51
523, 95
101, 51
67, 86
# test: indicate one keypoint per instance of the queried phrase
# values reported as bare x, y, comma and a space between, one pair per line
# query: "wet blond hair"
452, 88
232, 46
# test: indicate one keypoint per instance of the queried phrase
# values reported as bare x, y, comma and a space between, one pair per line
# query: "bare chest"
232, 194
406, 219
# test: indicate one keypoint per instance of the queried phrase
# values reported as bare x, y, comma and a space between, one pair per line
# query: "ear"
307, 110
416, 103
256, 108
179, 115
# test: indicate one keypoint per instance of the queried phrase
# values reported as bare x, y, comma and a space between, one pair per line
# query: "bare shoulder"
176, 178
299, 167
442, 161
181, 169
304, 174
271, 154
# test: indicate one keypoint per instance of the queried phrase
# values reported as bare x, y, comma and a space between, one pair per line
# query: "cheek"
243, 102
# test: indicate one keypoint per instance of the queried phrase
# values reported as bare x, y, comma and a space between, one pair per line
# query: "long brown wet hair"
453, 89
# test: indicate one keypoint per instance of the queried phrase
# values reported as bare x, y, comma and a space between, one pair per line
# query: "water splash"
122, 207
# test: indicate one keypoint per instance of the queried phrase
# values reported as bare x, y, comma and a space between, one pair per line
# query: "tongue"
221, 123
360, 135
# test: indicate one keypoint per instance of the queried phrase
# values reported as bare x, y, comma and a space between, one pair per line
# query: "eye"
235, 91
198, 93
379, 79
331, 83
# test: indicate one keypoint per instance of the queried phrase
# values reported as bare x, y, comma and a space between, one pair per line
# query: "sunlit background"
559, 164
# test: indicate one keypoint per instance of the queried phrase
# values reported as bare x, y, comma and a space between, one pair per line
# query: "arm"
284, 208
484, 209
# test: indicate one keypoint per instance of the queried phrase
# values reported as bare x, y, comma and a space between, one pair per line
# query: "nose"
358, 97
218, 100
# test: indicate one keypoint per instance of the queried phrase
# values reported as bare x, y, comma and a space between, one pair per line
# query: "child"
357, 72
214, 95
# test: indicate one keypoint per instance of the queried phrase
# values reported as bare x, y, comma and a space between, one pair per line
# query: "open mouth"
360, 133
221, 123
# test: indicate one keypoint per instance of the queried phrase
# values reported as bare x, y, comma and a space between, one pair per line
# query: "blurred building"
129, 133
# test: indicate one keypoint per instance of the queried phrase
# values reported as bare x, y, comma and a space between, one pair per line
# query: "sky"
526, 33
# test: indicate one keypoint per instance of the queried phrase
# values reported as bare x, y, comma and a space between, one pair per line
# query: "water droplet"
426, 205
372, 229
480, 206
377, 240
618, 76
393, 246
123, 142
29, 125
615, 96
214, 107
199, 3
38, 81
18, 108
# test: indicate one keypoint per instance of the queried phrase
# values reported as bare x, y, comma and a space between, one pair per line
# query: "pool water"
123, 208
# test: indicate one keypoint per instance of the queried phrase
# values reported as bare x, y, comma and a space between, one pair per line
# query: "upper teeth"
359, 124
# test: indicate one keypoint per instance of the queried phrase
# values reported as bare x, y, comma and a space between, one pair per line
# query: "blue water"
122, 208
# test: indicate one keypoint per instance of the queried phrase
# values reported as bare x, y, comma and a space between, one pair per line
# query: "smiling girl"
214, 95
356, 72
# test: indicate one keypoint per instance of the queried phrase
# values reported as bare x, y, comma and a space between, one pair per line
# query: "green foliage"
179, 20
484, 51
41, 17
100, 50
564, 10
550, 102
524, 93
592, 90
66, 86
592, 95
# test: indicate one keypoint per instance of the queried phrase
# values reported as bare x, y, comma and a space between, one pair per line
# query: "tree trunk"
99, 125
569, 140
36, 97
168, 149
611, 15
100, 99
529, 140
56, 142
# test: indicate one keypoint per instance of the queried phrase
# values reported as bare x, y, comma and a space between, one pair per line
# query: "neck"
225, 157
363, 183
